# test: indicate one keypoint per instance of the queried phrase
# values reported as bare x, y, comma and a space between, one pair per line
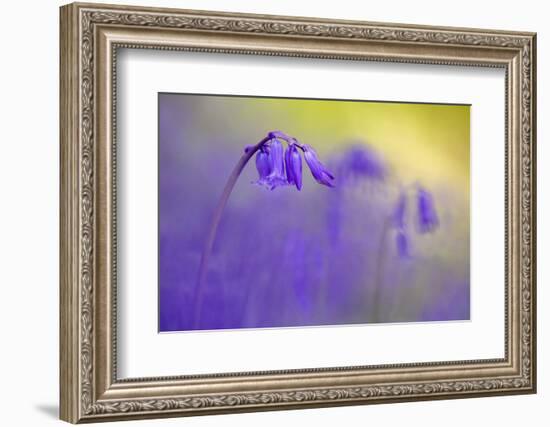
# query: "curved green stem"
222, 202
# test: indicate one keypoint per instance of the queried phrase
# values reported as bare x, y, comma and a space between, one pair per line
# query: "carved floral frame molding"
90, 37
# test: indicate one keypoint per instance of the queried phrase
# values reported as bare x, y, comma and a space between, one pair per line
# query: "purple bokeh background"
287, 257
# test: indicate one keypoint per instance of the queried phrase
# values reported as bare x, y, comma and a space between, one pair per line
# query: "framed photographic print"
266, 212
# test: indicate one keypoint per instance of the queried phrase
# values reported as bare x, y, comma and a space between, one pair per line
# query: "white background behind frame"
143, 352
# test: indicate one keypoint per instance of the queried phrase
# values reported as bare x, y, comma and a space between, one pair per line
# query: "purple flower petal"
277, 176
263, 163
293, 163
318, 170
289, 175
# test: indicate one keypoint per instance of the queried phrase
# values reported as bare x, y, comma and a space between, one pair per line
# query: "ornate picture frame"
90, 37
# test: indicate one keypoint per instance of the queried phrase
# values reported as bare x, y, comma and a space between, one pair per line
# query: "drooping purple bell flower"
427, 215
272, 161
318, 170
293, 163
277, 176
270, 165
263, 163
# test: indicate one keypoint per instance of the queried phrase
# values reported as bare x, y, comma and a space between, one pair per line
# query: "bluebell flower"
427, 215
263, 163
293, 163
318, 170
272, 161
277, 176
402, 243
361, 160
270, 165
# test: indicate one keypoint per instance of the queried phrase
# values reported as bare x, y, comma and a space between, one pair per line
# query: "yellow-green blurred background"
427, 141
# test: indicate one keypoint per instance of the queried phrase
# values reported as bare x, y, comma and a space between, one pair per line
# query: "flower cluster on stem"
278, 167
